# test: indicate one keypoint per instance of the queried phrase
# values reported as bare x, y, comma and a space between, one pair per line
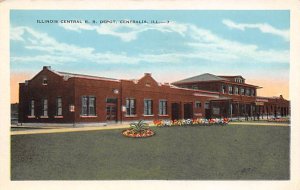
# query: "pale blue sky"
249, 43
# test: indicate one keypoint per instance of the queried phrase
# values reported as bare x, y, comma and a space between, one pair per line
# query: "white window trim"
88, 116
45, 79
160, 100
163, 115
230, 91
130, 115
147, 99
87, 106
43, 109
32, 115
198, 101
148, 115
57, 116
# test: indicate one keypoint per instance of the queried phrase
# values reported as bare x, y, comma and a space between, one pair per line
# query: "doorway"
175, 111
188, 110
207, 110
111, 109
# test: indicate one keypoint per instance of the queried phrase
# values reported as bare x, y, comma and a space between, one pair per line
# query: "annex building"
60, 97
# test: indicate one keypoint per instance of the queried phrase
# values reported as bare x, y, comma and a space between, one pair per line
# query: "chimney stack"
47, 67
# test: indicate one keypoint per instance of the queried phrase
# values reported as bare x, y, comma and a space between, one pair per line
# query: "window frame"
223, 88
32, 108
252, 91
45, 81
242, 91
236, 90
86, 106
197, 104
247, 92
45, 107
230, 89
163, 107
148, 108
195, 87
130, 106
59, 106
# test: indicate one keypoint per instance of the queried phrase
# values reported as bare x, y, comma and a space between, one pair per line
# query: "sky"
179, 44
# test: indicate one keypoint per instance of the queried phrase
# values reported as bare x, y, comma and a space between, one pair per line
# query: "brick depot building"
60, 97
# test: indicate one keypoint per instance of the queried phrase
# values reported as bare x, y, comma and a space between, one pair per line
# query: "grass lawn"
196, 153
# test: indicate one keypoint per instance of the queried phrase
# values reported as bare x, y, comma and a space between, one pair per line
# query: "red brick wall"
74, 88
36, 91
101, 90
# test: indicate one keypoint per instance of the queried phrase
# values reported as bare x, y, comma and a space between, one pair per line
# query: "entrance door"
188, 111
175, 111
207, 110
111, 109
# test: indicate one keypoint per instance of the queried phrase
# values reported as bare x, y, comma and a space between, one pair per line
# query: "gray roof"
83, 76
201, 78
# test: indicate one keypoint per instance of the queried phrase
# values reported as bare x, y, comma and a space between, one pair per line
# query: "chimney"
47, 67
147, 74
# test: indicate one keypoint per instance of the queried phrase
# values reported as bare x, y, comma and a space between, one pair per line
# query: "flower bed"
279, 120
132, 133
138, 130
191, 122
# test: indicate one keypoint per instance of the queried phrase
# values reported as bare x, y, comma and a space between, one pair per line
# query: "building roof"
201, 78
69, 75
231, 76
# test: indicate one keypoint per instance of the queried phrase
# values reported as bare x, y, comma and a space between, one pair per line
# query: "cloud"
48, 59
209, 44
57, 53
198, 45
205, 45
263, 27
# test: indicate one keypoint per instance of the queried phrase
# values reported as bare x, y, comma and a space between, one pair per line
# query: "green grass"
195, 153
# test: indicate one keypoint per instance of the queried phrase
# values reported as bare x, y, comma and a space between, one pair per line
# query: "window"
130, 106
111, 100
45, 107
148, 104
236, 90
45, 81
223, 89
162, 107
252, 92
242, 91
197, 104
194, 87
31, 107
230, 89
239, 80
207, 105
88, 105
59, 106
84, 105
92, 107
247, 92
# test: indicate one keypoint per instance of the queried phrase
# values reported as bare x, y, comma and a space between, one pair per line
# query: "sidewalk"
54, 129
261, 124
